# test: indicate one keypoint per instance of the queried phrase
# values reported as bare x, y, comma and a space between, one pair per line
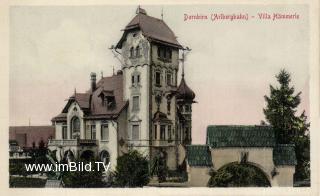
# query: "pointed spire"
101, 74
183, 64
75, 91
162, 13
112, 70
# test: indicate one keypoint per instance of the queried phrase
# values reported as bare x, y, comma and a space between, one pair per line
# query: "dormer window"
108, 99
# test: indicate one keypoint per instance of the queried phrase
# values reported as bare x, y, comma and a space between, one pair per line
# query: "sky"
53, 50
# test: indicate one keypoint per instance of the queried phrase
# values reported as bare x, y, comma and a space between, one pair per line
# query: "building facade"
143, 106
251, 145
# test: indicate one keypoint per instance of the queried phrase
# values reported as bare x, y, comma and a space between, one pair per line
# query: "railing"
71, 142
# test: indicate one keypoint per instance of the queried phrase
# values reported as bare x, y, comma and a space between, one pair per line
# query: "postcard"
162, 98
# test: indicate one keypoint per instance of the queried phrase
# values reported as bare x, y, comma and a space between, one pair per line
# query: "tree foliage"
238, 175
132, 170
290, 128
84, 179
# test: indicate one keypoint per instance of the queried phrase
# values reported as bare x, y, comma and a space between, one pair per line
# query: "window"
135, 132
169, 79
169, 132
164, 53
135, 79
105, 157
131, 52
75, 128
135, 103
64, 132
137, 51
138, 79
158, 78
187, 108
162, 132
93, 132
168, 106
105, 132
155, 132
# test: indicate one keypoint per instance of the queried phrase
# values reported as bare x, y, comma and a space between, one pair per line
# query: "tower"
150, 54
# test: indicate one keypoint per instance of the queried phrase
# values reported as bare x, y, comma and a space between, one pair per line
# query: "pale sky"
54, 49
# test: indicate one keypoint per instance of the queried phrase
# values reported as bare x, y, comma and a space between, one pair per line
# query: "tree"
238, 175
132, 170
289, 127
84, 179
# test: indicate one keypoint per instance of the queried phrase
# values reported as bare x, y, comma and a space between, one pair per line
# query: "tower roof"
184, 92
153, 28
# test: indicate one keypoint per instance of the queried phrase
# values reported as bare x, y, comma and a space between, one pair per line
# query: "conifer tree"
289, 127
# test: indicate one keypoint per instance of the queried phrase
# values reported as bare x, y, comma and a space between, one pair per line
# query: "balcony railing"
72, 142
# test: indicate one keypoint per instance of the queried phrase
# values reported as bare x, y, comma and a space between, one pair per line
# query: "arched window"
131, 52
137, 51
75, 128
105, 157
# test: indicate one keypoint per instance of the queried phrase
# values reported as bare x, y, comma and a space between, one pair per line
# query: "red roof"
26, 135
91, 103
153, 28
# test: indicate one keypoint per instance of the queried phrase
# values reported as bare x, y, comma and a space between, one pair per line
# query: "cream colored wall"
260, 157
198, 176
110, 145
285, 176
140, 64
58, 130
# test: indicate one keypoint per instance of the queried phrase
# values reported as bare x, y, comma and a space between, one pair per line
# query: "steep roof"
184, 92
240, 136
91, 102
153, 28
26, 135
284, 154
199, 155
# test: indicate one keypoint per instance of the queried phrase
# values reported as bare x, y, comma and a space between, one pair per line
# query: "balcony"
72, 142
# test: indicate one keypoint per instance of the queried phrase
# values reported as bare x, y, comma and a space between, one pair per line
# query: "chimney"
93, 81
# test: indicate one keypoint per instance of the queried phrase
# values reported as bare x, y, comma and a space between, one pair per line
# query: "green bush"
132, 170
23, 182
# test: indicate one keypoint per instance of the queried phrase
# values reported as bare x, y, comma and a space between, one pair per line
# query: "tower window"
135, 103
135, 132
138, 79
132, 80
169, 132
169, 79
137, 51
164, 53
158, 78
155, 132
162, 132
131, 52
